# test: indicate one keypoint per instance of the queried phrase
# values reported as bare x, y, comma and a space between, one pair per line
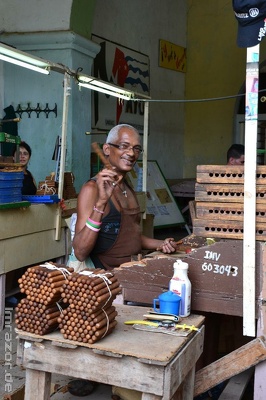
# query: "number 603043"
228, 270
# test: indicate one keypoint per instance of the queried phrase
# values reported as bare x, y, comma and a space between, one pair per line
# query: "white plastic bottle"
181, 285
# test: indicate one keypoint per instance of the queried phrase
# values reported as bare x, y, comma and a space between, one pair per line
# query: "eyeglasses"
126, 147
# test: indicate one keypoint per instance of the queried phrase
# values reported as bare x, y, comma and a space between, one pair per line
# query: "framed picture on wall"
126, 68
159, 200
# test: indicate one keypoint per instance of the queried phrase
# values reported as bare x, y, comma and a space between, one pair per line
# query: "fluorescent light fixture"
95, 84
26, 60
22, 56
126, 96
24, 64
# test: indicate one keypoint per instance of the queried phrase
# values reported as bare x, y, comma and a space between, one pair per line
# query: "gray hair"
114, 132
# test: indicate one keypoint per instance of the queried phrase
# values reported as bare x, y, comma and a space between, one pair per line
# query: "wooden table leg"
148, 396
186, 389
188, 385
37, 385
2, 300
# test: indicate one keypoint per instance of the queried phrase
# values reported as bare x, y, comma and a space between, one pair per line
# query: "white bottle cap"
179, 264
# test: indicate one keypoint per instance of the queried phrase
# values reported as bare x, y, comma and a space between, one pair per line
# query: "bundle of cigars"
79, 304
39, 311
90, 314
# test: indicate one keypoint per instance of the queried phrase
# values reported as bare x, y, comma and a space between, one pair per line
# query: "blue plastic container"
11, 176
41, 198
10, 186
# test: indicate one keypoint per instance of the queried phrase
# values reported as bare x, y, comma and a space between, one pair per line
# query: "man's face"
125, 156
237, 161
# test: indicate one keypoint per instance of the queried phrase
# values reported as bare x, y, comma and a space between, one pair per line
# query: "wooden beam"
230, 365
236, 386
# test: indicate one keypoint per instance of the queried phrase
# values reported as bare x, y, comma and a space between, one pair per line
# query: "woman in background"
29, 185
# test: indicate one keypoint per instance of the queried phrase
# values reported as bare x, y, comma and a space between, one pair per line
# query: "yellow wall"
216, 67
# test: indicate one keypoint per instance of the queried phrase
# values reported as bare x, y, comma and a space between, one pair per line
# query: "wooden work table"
153, 363
216, 275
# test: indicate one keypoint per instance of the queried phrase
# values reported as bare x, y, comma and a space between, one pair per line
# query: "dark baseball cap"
251, 17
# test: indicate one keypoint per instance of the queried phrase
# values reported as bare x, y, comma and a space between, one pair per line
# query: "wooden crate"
219, 202
228, 193
227, 211
218, 228
215, 272
229, 174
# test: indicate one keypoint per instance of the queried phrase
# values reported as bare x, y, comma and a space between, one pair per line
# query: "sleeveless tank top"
119, 237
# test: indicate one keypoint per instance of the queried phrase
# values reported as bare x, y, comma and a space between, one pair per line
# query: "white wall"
34, 15
139, 25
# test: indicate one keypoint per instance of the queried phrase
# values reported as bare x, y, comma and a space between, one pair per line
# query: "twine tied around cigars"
106, 280
39, 311
79, 304
90, 295
47, 189
63, 270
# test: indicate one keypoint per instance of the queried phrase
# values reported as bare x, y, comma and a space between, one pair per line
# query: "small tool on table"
162, 320
165, 324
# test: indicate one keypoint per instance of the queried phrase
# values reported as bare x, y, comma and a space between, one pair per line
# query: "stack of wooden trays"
69, 191
219, 202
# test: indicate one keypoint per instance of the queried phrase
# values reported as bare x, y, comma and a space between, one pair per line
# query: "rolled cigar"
173, 243
54, 274
50, 310
52, 322
105, 290
95, 281
108, 295
96, 149
94, 286
103, 322
53, 315
103, 332
101, 315
94, 314
57, 284
58, 278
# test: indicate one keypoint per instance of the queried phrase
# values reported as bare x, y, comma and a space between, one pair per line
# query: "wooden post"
145, 148
67, 89
249, 239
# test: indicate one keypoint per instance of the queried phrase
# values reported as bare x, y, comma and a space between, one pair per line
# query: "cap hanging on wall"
251, 17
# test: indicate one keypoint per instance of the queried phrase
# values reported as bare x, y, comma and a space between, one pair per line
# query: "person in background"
236, 154
29, 185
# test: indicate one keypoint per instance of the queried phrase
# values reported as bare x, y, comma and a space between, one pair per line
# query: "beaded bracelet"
96, 224
91, 227
97, 210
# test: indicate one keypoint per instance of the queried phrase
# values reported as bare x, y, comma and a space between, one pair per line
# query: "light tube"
105, 85
24, 64
110, 92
